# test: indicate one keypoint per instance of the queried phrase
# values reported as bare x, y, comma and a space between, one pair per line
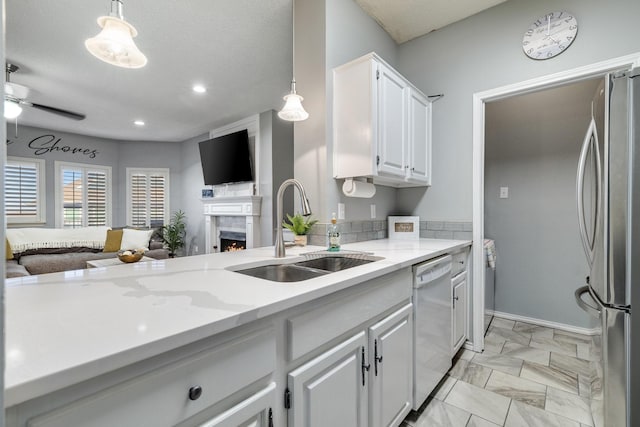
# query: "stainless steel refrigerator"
608, 195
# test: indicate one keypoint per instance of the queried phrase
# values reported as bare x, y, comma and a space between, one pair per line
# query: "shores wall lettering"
45, 144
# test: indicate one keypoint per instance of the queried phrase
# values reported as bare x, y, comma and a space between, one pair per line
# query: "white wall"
330, 33
532, 145
484, 52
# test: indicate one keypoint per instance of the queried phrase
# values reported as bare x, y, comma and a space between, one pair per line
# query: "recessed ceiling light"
139, 123
199, 89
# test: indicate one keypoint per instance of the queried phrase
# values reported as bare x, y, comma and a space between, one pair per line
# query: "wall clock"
550, 35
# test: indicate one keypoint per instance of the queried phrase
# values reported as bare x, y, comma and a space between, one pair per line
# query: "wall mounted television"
226, 159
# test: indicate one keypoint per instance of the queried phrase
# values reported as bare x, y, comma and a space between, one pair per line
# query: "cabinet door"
391, 373
419, 138
253, 412
392, 122
330, 390
459, 311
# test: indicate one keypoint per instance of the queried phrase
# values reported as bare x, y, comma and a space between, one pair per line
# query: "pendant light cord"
293, 45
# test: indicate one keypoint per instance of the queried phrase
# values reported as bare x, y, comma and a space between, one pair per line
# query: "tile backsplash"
358, 231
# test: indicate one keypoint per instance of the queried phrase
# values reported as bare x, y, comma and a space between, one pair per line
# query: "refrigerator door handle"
588, 144
594, 311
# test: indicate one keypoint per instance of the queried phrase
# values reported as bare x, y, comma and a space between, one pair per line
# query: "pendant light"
11, 109
293, 110
114, 44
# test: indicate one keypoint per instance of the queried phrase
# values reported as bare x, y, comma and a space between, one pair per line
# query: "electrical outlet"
341, 211
195, 249
504, 192
373, 211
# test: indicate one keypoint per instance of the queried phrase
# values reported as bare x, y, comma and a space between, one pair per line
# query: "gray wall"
484, 52
191, 193
330, 33
117, 154
532, 144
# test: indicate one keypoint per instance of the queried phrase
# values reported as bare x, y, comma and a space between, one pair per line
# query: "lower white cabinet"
459, 313
256, 411
365, 380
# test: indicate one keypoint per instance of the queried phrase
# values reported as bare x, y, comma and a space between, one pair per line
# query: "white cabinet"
381, 125
391, 372
365, 380
256, 411
329, 390
459, 311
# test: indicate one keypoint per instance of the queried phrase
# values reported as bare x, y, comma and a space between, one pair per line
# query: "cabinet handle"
365, 368
413, 169
376, 359
454, 301
270, 418
195, 392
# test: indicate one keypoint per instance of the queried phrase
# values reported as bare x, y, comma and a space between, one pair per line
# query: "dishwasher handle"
433, 270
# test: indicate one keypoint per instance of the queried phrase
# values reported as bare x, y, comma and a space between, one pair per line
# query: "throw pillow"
135, 239
8, 252
113, 242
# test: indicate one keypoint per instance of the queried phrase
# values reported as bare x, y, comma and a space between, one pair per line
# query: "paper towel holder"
359, 187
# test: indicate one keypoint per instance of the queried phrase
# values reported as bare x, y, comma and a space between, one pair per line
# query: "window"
24, 191
83, 195
147, 197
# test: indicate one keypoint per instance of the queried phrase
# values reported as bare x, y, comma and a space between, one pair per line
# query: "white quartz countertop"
68, 327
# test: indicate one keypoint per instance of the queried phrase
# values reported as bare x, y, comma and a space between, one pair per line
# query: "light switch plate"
373, 211
504, 192
341, 209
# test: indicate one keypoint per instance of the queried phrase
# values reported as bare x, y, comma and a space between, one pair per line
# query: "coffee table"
109, 262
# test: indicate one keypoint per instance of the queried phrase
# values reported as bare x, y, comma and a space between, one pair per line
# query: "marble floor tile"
493, 343
441, 414
519, 351
465, 354
476, 374
584, 351
506, 364
522, 338
552, 377
569, 405
485, 404
499, 322
534, 330
522, 415
597, 412
445, 386
458, 368
596, 383
584, 386
572, 364
571, 337
570, 349
476, 421
516, 388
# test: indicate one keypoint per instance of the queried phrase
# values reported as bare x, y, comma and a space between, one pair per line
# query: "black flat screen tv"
226, 159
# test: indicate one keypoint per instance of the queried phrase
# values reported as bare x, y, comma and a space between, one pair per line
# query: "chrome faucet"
306, 211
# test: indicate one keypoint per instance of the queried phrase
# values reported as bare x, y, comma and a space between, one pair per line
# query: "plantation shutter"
72, 197
157, 200
148, 197
21, 189
83, 194
96, 198
138, 209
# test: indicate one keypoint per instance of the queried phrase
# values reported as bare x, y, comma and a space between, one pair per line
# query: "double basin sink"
314, 266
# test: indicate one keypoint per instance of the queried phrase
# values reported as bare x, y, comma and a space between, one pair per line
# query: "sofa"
33, 251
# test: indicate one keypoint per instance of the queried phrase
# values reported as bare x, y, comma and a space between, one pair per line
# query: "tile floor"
528, 376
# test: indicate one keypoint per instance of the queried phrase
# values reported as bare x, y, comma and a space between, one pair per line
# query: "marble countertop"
63, 328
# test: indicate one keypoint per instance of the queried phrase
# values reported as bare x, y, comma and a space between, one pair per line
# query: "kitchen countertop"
63, 328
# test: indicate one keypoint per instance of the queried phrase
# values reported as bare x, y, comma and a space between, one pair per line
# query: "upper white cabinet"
381, 125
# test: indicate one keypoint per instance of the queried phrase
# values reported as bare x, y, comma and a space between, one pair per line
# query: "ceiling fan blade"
66, 113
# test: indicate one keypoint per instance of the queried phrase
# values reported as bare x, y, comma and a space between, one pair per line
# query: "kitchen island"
74, 340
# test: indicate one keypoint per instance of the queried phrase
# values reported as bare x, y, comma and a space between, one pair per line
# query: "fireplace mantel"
246, 206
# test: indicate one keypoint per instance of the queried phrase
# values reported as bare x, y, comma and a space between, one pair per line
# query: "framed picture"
404, 227
207, 193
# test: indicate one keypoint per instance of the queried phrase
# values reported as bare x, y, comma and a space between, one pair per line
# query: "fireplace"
231, 241
245, 209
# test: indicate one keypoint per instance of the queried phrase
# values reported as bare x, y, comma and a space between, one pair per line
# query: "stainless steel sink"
315, 266
283, 272
334, 263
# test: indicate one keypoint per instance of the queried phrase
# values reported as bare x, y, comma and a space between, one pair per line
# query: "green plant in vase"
300, 226
174, 233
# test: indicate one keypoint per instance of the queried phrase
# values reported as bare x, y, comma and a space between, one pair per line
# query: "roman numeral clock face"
550, 35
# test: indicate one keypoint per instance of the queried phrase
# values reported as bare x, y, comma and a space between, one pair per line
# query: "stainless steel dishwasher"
432, 325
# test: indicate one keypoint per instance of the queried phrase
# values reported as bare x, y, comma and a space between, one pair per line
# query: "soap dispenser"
334, 235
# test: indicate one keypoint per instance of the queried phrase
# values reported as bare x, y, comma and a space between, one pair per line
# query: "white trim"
167, 196
41, 216
548, 324
59, 214
479, 99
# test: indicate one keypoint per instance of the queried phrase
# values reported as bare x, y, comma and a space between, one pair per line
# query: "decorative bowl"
131, 255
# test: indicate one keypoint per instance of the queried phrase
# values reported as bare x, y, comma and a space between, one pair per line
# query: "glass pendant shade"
293, 110
115, 44
11, 109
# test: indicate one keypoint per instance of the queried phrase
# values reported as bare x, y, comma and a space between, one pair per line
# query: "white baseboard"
548, 324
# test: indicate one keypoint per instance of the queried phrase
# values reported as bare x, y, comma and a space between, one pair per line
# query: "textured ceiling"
239, 49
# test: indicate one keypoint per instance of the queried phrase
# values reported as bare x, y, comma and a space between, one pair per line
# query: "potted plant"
174, 233
300, 226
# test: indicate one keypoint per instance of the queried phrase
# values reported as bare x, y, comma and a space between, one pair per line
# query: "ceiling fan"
15, 96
